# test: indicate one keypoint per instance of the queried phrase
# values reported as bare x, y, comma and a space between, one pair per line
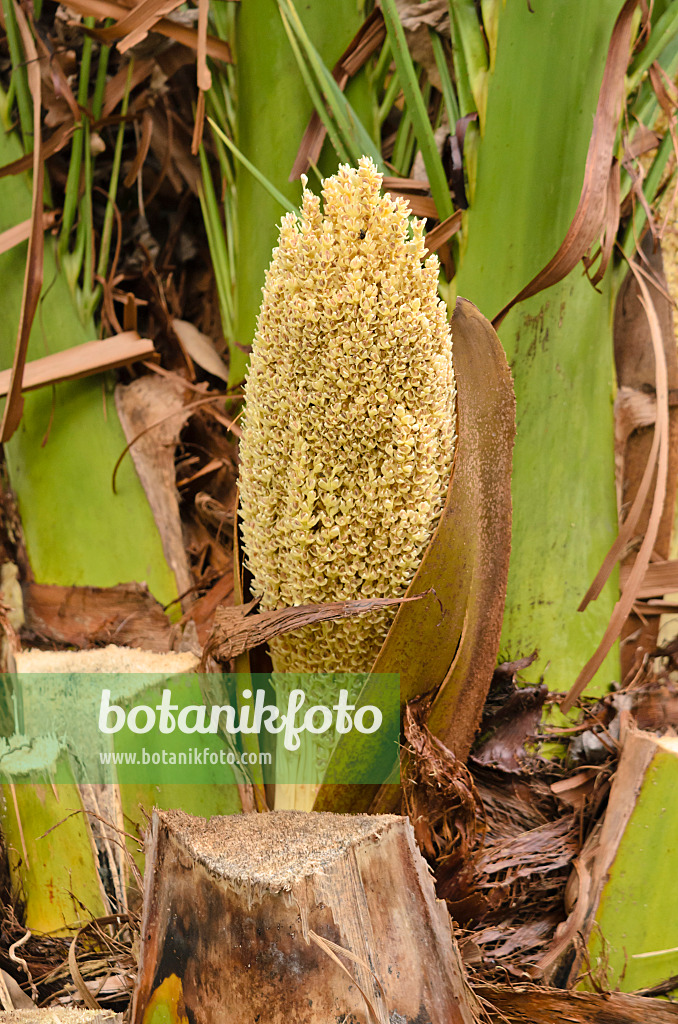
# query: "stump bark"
294, 916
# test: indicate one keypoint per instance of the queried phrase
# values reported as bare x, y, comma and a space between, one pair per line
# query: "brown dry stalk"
21, 232
82, 361
235, 631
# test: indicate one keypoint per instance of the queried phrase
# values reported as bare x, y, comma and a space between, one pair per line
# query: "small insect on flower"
351, 371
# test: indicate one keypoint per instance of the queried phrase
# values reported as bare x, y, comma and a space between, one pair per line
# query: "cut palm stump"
61, 822
294, 916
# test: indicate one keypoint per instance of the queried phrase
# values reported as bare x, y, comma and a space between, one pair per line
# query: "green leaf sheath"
541, 99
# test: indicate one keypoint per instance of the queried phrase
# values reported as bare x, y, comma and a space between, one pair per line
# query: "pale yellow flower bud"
350, 418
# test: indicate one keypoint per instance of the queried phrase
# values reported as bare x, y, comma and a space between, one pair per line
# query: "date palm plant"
515, 131
511, 129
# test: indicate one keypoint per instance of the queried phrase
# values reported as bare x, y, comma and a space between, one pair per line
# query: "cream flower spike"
349, 425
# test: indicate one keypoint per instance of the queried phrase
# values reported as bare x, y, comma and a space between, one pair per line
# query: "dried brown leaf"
172, 147
118, 84
199, 123
82, 361
21, 232
152, 411
78, 980
420, 206
202, 611
418, 20
509, 728
406, 186
57, 91
551, 846
204, 76
200, 348
137, 22
589, 218
12, 996
102, 9
644, 141
610, 225
442, 233
433, 14
660, 578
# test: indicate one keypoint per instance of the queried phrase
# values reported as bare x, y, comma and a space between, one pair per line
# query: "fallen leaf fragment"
200, 348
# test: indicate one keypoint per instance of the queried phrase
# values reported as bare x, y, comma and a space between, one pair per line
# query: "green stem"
72, 192
661, 36
217, 245
468, 33
417, 109
100, 84
390, 96
19, 74
464, 91
449, 98
269, 186
317, 99
355, 138
91, 298
381, 67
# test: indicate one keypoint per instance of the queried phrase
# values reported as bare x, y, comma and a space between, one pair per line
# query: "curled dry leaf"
135, 25
442, 233
592, 213
102, 9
